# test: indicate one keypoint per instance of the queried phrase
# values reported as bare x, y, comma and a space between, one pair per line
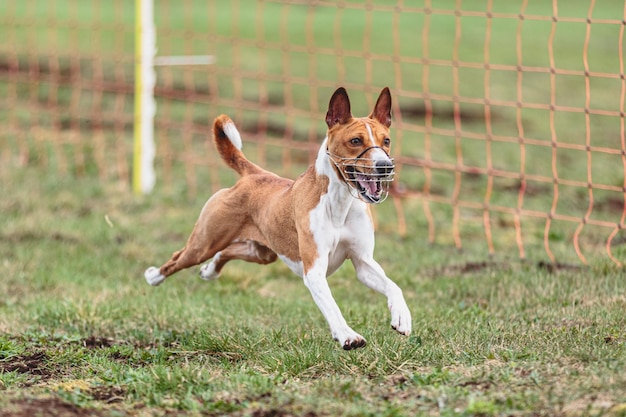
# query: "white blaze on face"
371, 135
377, 153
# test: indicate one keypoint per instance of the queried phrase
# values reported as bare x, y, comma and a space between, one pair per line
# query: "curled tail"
228, 142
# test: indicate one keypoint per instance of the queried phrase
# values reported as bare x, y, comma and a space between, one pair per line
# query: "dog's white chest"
339, 227
335, 259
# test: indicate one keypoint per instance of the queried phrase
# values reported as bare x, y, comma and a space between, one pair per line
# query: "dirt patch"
481, 384
96, 342
466, 114
528, 188
466, 268
274, 412
553, 267
29, 363
107, 394
611, 204
50, 407
30, 236
469, 268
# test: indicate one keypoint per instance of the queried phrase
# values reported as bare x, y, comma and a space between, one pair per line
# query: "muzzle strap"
367, 149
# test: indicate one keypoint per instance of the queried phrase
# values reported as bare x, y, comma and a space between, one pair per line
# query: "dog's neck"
338, 197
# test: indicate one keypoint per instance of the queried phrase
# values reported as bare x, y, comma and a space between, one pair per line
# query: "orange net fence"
508, 128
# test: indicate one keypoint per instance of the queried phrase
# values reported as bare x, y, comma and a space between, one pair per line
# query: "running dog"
313, 224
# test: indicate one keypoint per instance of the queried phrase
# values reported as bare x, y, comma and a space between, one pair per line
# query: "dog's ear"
338, 108
382, 109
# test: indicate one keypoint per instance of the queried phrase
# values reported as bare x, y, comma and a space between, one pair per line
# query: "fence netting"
508, 128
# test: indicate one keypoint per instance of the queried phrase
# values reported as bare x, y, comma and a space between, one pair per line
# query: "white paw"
153, 276
400, 317
208, 272
350, 340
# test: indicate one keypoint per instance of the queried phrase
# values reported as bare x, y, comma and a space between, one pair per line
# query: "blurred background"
508, 129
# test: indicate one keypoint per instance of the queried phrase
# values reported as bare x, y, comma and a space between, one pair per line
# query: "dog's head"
359, 147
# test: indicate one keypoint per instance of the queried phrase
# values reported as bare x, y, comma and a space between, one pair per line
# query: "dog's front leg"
315, 280
370, 273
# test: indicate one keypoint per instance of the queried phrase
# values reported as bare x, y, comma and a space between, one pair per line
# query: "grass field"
81, 333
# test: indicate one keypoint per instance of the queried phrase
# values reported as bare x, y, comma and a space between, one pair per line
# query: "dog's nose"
384, 166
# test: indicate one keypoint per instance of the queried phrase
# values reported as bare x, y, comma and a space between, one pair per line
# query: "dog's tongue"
370, 186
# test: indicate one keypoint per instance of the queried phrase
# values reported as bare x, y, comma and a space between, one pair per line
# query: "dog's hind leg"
211, 234
189, 256
246, 250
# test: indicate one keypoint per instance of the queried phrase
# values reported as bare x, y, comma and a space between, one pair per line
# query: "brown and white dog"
313, 223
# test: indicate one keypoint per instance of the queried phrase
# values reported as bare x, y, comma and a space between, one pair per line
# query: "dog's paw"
357, 342
208, 272
400, 318
153, 276
351, 340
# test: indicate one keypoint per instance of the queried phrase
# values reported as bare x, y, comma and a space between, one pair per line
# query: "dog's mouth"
367, 179
371, 187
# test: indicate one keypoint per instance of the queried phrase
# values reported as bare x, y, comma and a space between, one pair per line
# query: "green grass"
79, 325
81, 333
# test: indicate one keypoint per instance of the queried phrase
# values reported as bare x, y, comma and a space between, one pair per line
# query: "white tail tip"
233, 134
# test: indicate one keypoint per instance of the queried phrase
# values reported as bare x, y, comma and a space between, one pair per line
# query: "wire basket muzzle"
368, 179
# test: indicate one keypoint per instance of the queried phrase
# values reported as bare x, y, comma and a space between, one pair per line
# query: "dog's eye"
355, 141
387, 142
